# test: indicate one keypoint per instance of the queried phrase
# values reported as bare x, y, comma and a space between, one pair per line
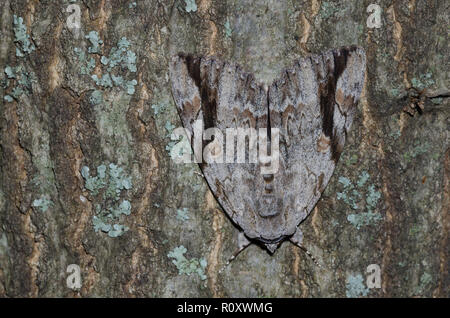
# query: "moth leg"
199, 174
243, 243
297, 239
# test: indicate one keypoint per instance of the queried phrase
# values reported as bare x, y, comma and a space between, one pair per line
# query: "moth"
311, 104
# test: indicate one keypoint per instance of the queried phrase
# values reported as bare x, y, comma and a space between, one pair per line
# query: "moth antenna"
297, 240
302, 247
243, 243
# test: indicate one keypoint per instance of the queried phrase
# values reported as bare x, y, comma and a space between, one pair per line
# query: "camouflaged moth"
312, 103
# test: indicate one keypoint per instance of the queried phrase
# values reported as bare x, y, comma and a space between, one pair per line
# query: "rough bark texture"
386, 204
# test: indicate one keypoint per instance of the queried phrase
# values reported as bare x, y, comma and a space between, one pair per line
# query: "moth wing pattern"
313, 103
223, 96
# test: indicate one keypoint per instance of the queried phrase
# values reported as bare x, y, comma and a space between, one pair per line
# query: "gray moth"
312, 103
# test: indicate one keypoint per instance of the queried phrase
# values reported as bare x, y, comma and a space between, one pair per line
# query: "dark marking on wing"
327, 92
207, 91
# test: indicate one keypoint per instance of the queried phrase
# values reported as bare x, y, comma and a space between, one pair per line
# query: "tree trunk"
386, 204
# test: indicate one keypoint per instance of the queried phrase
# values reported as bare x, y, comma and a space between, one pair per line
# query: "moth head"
272, 247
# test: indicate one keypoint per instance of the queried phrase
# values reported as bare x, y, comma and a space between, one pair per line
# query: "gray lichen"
363, 219
22, 38
423, 81
42, 204
187, 266
353, 197
23, 82
191, 6
87, 64
228, 30
120, 60
182, 214
106, 188
96, 97
95, 40
355, 286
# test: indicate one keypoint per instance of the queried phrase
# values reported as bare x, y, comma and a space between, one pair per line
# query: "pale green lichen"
352, 160
17, 92
182, 214
352, 197
349, 195
23, 80
10, 72
395, 92
42, 204
169, 127
119, 56
95, 40
424, 80
22, 38
4, 248
419, 149
106, 187
363, 219
159, 108
395, 134
372, 198
355, 286
327, 9
425, 280
171, 144
99, 225
187, 266
178, 147
96, 97
173, 140
363, 179
117, 230
104, 60
86, 65
191, 6
130, 87
126, 59
104, 81
164, 114
124, 208
345, 182
437, 100
130, 61
118, 80
228, 30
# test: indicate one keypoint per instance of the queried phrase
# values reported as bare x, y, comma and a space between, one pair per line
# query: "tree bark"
386, 204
